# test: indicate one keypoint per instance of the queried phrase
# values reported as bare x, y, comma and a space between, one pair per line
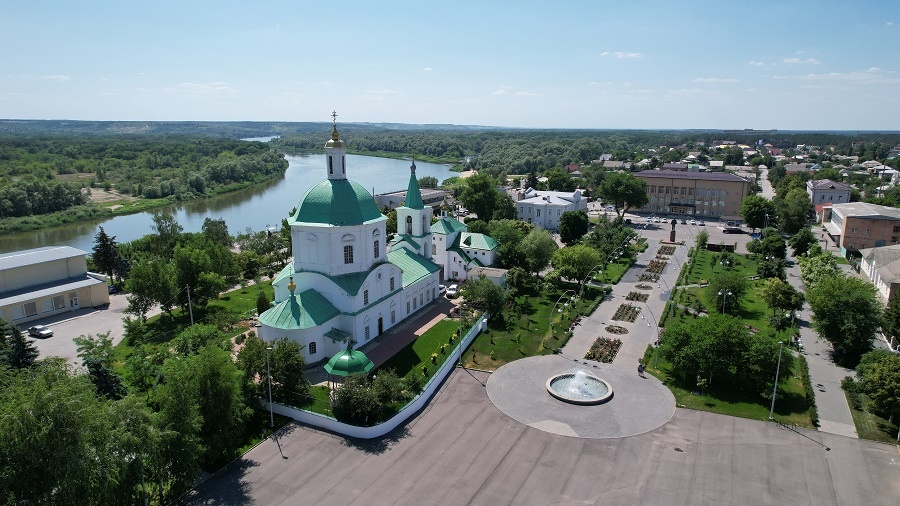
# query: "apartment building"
823, 191
702, 194
859, 225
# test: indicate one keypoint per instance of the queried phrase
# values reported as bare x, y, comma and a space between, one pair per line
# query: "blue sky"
804, 64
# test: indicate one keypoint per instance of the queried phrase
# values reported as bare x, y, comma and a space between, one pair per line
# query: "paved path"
825, 375
462, 450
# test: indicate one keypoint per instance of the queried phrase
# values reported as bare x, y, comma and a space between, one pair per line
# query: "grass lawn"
790, 406
408, 362
841, 260
869, 425
705, 266
529, 335
614, 271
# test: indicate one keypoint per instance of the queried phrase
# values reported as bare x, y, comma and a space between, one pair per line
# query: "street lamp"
775, 388
581, 291
724, 294
656, 325
766, 225
269, 374
561, 297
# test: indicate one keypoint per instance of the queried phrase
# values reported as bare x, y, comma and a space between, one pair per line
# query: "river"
253, 208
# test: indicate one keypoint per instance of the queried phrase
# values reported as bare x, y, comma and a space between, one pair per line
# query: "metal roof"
414, 267
705, 176
300, 311
337, 202
47, 290
476, 241
413, 196
447, 225
38, 256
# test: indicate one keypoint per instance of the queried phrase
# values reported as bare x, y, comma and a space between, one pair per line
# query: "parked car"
649, 219
113, 289
441, 289
656, 219
702, 223
693, 222
452, 291
40, 331
683, 222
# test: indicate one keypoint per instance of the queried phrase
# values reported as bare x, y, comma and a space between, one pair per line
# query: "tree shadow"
379, 445
228, 486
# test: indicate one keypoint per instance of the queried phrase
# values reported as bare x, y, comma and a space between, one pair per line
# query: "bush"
803, 369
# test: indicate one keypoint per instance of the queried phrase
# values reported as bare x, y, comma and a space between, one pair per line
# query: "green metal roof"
476, 241
465, 256
350, 283
446, 225
301, 311
348, 362
337, 202
414, 267
413, 195
286, 272
405, 238
337, 335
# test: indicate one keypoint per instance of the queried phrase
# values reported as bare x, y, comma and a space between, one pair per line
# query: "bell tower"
336, 153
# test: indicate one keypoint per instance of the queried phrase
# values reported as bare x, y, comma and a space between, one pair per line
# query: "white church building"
343, 283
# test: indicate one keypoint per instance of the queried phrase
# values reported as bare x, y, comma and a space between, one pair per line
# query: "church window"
343, 164
393, 316
330, 165
420, 298
348, 254
392, 283
366, 297
377, 249
434, 249
312, 349
367, 332
407, 308
409, 225
414, 303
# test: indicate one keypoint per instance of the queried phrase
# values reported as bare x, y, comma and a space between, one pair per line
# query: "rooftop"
704, 176
866, 210
38, 256
827, 184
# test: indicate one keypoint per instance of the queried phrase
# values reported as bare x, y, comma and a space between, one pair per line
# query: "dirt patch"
101, 196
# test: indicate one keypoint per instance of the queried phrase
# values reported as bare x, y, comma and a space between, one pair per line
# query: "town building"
343, 287
43, 282
701, 194
544, 208
859, 225
881, 266
823, 191
459, 251
393, 200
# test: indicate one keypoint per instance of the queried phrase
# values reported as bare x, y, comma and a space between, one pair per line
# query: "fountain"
579, 387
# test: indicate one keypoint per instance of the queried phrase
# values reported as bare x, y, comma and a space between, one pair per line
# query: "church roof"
300, 311
337, 202
465, 256
413, 195
413, 266
476, 241
447, 225
350, 283
405, 238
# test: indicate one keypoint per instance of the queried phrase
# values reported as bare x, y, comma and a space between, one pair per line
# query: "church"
344, 284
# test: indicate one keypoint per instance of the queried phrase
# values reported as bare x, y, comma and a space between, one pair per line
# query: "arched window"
330, 165
409, 225
312, 349
377, 249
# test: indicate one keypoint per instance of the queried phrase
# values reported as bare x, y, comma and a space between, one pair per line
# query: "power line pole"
190, 309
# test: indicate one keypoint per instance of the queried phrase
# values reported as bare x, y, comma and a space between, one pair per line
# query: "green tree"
754, 210
195, 269
193, 339
216, 231
356, 400
168, 232
480, 195
505, 208
572, 226
793, 210
262, 303
428, 182
881, 381
846, 312
575, 262
538, 248
483, 293
624, 191
890, 321
814, 268
16, 350
702, 239
559, 180
106, 253
289, 382
725, 290
781, 296
802, 241
771, 246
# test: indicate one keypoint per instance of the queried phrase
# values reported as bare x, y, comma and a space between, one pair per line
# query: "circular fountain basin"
579, 387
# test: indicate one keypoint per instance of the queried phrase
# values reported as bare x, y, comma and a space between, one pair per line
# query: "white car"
656, 219
693, 222
452, 291
40, 331
649, 219
441, 289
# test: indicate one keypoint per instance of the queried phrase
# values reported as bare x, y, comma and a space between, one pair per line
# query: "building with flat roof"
43, 282
881, 266
392, 200
859, 225
702, 194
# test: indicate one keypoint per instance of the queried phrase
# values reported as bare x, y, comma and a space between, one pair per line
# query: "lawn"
408, 362
529, 334
869, 425
790, 406
706, 264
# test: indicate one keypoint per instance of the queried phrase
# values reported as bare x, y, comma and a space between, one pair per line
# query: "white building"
544, 208
43, 282
881, 266
342, 283
458, 251
823, 191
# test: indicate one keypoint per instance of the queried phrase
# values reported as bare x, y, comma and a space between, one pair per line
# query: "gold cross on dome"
334, 118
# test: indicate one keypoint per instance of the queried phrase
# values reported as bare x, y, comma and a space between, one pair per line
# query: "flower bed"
626, 313
604, 350
644, 286
616, 329
666, 250
655, 267
649, 277
640, 297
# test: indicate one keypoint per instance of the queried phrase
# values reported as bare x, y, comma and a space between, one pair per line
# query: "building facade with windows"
826, 191
544, 208
459, 251
859, 225
43, 282
701, 194
344, 284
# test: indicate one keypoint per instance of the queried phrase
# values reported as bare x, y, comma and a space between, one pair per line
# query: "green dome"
337, 202
348, 362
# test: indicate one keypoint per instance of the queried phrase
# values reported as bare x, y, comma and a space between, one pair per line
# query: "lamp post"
561, 297
269, 374
775, 388
655, 325
724, 294
581, 291
766, 224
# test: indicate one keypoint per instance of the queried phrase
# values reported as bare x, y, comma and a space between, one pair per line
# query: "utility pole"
190, 309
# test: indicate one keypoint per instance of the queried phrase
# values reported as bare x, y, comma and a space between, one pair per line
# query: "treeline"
40, 175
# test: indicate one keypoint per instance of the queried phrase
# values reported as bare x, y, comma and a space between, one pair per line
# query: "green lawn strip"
320, 402
790, 406
869, 425
706, 265
614, 271
753, 310
408, 362
532, 330
841, 260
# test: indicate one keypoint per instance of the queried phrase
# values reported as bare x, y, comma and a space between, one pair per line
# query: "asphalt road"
463, 450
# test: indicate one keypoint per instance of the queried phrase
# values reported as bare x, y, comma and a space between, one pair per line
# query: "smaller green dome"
337, 202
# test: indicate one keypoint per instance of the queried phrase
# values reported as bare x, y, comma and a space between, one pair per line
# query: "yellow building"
701, 194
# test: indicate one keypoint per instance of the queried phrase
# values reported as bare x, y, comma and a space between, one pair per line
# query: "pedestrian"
641, 369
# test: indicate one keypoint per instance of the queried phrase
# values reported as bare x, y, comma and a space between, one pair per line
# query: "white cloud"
621, 54
715, 80
427, 69
216, 87
58, 77
871, 76
797, 61
889, 23
755, 63
498, 93
527, 94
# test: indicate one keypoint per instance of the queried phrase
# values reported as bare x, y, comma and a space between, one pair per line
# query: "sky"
789, 65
